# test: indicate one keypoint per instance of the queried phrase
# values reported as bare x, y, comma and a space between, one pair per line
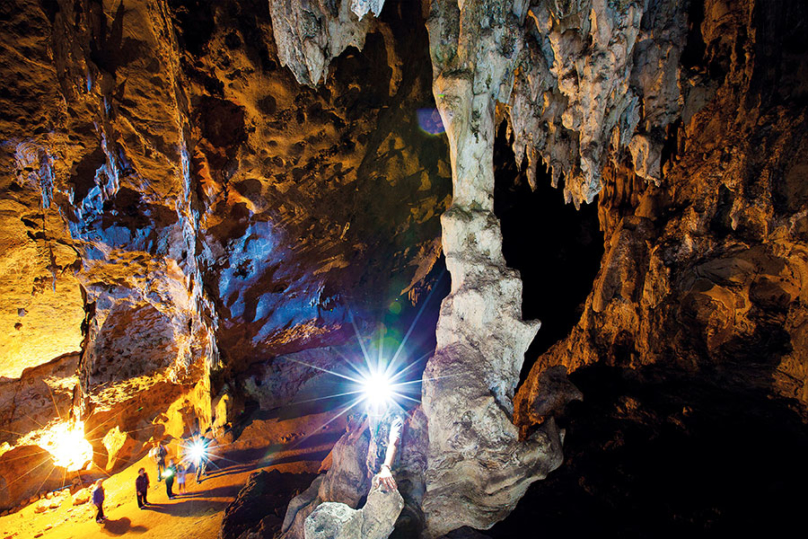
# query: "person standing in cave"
203, 454
383, 431
181, 479
159, 453
170, 473
142, 488
98, 501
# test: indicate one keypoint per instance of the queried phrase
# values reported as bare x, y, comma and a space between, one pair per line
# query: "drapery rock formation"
702, 275
692, 337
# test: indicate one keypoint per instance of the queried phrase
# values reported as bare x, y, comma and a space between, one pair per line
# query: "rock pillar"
478, 468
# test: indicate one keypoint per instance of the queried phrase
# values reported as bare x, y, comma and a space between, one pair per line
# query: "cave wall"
703, 275
192, 189
690, 350
177, 208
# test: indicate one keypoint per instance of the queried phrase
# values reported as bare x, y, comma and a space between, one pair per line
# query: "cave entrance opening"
556, 248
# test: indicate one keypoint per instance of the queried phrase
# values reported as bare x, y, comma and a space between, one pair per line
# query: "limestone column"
478, 469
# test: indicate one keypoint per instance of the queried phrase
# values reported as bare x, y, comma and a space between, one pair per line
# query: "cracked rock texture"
703, 276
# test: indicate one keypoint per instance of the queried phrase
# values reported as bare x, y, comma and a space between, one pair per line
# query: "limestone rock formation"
702, 275
120, 448
202, 202
375, 520
346, 482
259, 506
309, 36
692, 337
292, 377
475, 454
40, 475
42, 395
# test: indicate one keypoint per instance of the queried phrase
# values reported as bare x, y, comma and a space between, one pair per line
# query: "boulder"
82, 496
120, 447
376, 520
259, 506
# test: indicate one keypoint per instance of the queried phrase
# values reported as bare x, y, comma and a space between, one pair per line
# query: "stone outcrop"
258, 509
346, 483
42, 395
120, 448
375, 520
475, 454
26, 472
692, 337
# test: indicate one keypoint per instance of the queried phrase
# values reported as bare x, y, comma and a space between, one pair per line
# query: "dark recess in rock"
556, 248
674, 457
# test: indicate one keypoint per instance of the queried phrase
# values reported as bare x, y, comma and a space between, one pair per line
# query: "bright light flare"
197, 451
377, 390
66, 444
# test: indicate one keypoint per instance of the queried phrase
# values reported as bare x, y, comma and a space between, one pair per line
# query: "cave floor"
286, 441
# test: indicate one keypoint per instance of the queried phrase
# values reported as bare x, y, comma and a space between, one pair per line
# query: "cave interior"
568, 238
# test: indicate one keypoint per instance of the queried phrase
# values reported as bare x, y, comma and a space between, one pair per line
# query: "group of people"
167, 468
172, 471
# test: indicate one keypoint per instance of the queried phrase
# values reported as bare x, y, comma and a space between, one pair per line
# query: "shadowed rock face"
702, 276
690, 350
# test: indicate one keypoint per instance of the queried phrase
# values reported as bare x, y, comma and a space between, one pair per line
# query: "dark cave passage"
556, 248
677, 457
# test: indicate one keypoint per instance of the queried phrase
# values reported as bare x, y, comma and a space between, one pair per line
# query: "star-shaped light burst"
200, 450
374, 381
379, 389
197, 451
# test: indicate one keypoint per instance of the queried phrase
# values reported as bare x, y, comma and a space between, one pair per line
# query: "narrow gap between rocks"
556, 248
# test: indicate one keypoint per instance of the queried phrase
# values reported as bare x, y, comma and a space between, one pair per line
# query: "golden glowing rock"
41, 307
119, 447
